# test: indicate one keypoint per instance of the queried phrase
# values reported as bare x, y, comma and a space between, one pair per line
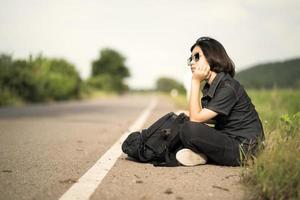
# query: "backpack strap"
159, 123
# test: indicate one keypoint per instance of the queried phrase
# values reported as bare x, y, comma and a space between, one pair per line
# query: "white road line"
88, 183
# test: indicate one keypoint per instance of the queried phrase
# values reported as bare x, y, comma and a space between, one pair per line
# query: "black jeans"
219, 147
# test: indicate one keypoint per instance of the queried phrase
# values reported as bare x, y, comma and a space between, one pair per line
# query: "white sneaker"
187, 157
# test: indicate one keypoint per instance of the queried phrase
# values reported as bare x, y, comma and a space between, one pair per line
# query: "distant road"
45, 149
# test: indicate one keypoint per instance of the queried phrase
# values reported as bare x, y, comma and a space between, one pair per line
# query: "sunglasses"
194, 58
204, 39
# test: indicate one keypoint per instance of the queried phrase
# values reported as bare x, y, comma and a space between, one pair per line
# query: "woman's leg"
217, 146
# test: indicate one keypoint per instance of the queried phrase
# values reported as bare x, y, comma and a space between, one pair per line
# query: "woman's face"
201, 62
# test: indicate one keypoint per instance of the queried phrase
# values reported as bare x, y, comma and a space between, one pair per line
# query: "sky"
154, 36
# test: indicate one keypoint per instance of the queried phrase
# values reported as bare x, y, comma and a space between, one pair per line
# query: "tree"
109, 71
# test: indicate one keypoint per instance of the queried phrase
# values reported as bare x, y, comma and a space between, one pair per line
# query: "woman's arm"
196, 112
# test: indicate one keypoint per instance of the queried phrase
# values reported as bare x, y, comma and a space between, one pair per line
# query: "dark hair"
216, 55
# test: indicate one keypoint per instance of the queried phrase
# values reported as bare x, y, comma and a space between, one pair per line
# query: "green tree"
109, 71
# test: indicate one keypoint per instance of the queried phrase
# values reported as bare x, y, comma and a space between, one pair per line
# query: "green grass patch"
94, 94
275, 173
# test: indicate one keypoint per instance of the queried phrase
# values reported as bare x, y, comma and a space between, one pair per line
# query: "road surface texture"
45, 149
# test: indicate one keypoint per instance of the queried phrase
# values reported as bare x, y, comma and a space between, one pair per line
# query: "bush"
60, 80
36, 80
8, 97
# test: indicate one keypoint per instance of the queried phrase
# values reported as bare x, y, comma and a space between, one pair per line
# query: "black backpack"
157, 144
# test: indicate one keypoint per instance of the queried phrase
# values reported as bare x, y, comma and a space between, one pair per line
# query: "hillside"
285, 74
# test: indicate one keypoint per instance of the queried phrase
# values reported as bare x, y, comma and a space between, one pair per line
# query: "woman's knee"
190, 130
185, 131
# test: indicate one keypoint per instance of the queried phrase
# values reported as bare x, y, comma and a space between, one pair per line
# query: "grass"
275, 172
94, 94
7, 98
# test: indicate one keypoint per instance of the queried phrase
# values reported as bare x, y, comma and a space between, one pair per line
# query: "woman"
238, 129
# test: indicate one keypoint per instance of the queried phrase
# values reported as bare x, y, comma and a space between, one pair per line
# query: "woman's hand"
201, 72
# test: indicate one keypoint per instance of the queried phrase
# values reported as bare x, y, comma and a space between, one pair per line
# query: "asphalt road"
44, 149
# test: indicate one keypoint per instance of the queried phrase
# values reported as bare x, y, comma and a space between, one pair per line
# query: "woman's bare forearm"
194, 104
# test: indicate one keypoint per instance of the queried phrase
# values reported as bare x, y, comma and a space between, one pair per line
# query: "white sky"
155, 36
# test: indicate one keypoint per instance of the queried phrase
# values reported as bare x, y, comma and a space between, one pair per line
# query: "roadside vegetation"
275, 173
42, 79
36, 80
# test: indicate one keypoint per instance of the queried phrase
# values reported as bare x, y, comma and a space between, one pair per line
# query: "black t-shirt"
237, 116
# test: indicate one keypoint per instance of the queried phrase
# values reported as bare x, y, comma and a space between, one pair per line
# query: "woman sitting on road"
238, 129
